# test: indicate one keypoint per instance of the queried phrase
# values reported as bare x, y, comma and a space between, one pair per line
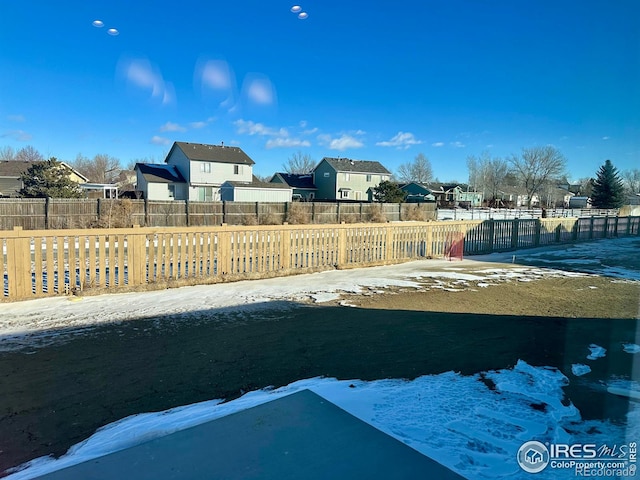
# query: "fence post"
536, 240
606, 227
19, 265
224, 212
146, 212
342, 245
338, 212
514, 234
136, 256
591, 228
389, 244
46, 213
285, 249
491, 234
186, 210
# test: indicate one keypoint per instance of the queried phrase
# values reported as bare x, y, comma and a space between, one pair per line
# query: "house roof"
159, 173
296, 180
212, 153
359, 166
420, 186
15, 168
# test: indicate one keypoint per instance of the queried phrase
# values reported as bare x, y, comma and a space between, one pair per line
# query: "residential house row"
203, 172
200, 172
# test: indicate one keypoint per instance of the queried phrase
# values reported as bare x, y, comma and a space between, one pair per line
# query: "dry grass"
298, 214
249, 220
376, 214
414, 213
118, 214
270, 219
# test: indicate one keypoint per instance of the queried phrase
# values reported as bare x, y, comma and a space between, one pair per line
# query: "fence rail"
41, 263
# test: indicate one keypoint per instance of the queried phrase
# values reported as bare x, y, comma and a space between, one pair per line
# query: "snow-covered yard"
455, 419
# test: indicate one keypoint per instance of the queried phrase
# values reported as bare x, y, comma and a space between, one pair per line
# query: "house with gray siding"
203, 168
160, 182
347, 179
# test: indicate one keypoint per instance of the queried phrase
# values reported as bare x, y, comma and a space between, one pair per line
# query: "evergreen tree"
49, 178
388, 192
608, 190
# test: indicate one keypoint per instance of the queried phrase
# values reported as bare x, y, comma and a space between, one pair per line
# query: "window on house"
344, 194
172, 191
205, 167
347, 176
205, 194
369, 178
237, 169
326, 174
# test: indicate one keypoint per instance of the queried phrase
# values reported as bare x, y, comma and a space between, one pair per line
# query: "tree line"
535, 170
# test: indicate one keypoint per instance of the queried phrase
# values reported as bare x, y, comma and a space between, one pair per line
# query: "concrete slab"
300, 436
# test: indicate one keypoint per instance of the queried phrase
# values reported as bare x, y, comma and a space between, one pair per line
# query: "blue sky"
376, 80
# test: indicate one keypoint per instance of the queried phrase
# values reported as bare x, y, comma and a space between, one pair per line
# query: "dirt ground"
56, 396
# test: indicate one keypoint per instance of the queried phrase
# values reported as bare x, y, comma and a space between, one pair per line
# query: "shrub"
297, 214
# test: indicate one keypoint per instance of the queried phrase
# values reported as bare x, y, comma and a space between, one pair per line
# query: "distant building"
346, 179
302, 184
12, 170
255, 191
197, 172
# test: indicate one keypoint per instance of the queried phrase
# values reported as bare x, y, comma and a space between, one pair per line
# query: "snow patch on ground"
596, 352
578, 369
631, 348
460, 421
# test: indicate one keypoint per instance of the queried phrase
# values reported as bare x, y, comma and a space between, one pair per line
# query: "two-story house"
194, 172
346, 179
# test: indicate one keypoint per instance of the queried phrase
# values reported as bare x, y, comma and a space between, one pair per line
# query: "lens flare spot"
303, 15
98, 23
296, 8
113, 32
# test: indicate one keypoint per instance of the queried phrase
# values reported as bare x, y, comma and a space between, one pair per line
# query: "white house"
194, 172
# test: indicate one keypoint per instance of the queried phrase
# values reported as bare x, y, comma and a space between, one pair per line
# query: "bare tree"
632, 180
486, 174
299, 163
101, 169
418, 171
586, 187
536, 167
7, 153
29, 154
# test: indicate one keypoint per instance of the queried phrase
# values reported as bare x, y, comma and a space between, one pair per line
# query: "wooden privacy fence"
44, 262
64, 213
